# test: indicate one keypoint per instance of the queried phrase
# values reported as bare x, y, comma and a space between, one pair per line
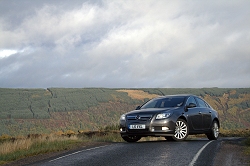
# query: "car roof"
176, 95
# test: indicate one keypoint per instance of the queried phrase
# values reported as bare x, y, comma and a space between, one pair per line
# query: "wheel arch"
190, 127
217, 120
183, 117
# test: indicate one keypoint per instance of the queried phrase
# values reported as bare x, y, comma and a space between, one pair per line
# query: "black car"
173, 117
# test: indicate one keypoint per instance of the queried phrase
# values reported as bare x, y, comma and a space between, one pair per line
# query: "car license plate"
138, 126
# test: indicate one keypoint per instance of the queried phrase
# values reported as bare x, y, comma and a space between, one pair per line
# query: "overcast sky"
124, 44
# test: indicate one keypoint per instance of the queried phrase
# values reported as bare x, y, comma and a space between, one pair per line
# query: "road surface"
157, 153
223, 152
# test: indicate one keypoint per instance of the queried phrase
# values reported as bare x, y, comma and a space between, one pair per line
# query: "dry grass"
26, 143
235, 133
8, 147
152, 139
138, 94
247, 143
14, 149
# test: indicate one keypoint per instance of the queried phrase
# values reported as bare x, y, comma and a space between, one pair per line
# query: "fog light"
152, 129
120, 129
165, 128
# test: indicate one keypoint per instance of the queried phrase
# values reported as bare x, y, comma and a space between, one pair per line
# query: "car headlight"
122, 117
163, 115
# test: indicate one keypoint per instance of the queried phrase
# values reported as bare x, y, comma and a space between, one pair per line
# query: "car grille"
139, 117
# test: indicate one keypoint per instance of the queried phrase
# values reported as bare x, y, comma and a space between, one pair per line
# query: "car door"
205, 112
207, 117
194, 116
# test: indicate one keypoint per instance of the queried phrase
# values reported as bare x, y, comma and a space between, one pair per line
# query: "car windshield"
164, 102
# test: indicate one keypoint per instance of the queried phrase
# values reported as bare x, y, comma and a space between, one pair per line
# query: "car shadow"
172, 141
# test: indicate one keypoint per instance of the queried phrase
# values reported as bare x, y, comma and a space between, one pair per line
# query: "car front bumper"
153, 127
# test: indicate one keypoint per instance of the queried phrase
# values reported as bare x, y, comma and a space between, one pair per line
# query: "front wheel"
214, 131
181, 130
131, 138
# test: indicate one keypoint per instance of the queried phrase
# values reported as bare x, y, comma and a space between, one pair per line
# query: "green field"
25, 111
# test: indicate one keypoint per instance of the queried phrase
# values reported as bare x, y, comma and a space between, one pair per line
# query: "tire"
214, 131
131, 138
181, 130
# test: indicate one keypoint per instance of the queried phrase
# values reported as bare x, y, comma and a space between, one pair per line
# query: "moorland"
35, 111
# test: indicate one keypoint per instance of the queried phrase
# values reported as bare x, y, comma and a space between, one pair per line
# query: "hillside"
24, 111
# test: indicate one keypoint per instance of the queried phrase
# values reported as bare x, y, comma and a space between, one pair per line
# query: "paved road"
190, 152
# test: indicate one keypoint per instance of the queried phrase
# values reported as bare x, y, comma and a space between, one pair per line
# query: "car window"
150, 104
191, 100
164, 102
207, 105
201, 102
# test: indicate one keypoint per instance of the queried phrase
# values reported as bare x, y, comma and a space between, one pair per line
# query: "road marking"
78, 152
198, 154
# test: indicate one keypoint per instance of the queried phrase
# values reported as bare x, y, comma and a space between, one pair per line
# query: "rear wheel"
214, 131
181, 130
133, 138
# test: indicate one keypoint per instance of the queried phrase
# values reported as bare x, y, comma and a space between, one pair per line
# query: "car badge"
138, 117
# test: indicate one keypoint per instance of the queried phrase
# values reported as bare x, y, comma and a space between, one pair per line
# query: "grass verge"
21, 148
247, 143
14, 149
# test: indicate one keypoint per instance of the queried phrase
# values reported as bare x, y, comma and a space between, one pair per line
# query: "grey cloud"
125, 44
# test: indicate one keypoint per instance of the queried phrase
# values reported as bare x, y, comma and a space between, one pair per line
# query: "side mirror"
191, 105
138, 107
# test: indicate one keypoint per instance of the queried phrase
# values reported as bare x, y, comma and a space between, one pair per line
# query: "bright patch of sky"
6, 53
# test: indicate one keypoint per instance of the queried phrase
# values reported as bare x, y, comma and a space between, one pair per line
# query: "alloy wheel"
216, 130
181, 130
